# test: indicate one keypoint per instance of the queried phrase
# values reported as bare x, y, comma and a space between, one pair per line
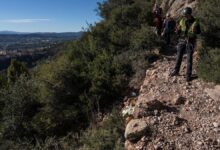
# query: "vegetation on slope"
56, 104
208, 67
62, 97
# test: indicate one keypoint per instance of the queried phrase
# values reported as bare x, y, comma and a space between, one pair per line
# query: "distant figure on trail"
187, 28
157, 14
169, 25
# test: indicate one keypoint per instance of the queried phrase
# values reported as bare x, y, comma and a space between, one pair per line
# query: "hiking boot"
174, 73
188, 79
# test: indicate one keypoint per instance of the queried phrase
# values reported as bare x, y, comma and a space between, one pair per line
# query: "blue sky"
47, 15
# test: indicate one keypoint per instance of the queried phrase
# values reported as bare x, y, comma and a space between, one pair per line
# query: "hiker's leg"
158, 31
180, 51
189, 50
168, 39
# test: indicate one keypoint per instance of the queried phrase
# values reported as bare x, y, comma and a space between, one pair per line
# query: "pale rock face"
175, 7
214, 93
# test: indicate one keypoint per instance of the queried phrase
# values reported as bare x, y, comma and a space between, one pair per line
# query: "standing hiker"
187, 28
157, 14
169, 25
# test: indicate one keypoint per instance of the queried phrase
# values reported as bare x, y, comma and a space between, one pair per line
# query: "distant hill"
10, 32
77, 34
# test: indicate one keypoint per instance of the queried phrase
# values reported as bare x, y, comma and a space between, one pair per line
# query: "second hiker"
169, 25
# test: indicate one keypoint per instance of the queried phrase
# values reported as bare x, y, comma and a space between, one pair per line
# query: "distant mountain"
77, 34
11, 32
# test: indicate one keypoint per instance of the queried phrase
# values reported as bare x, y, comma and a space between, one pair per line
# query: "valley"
30, 47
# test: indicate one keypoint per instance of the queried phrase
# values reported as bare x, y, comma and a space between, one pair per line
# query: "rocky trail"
171, 114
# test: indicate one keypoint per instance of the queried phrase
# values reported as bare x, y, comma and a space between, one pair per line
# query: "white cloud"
24, 20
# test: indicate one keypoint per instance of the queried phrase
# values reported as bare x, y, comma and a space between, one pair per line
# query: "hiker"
157, 14
169, 25
187, 28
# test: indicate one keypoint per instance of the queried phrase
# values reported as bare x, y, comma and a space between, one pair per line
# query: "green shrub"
208, 65
20, 105
145, 39
16, 69
208, 12
3, 80
107, 137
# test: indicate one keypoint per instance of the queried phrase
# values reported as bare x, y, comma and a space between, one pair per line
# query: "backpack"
172, 25
169, 25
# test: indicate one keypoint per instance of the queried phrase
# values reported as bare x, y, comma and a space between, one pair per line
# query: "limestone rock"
215, 124
214, 93
174, 7
129, 146
136, 129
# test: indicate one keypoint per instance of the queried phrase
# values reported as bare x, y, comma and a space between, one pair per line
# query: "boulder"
136, 129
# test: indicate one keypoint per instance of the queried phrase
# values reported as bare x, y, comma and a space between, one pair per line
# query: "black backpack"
198, 29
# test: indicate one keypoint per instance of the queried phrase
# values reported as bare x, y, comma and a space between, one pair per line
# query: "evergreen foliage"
20, 105
16, 69
64, 94
107, 137
208, 66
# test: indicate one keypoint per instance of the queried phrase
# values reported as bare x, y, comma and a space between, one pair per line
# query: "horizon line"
26, 20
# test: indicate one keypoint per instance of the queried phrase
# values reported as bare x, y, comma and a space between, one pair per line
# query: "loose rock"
147, 108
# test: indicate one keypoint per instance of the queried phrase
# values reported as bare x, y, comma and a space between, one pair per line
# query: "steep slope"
172, 114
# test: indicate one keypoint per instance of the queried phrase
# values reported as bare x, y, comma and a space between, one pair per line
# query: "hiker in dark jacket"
188, 28
168, 28
157, 14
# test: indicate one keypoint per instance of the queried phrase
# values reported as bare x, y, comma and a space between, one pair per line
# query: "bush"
20, 105
208, 65
145, 39
208, 12
63, 85
16, 69
107, 137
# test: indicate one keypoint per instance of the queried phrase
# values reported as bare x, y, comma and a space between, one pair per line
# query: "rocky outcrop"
170, 113
175, 7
